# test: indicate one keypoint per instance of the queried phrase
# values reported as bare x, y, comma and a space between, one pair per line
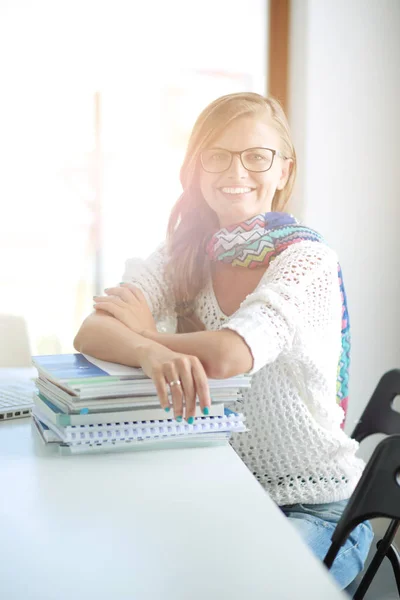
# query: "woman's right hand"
184, 375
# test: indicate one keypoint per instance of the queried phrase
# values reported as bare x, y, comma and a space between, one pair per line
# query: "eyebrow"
249, 148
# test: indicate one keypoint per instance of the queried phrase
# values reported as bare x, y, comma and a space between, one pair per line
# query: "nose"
237, 170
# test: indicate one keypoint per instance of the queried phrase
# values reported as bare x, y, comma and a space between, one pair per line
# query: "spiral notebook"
132, 431
169, 443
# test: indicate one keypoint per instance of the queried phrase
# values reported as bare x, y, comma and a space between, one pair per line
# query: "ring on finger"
176, 382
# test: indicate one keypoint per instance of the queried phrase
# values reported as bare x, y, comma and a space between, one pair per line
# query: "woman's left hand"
127, 304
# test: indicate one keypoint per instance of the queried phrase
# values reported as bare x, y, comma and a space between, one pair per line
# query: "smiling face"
238, 194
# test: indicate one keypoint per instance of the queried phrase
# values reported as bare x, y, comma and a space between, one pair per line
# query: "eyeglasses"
257, 160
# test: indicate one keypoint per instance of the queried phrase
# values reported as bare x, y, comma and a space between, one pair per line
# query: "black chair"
377, 495
378, 417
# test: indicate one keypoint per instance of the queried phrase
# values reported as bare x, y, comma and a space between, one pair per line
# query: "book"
84, 403
86, 377
59, 417
172, 443
132, 432
47, 435
74, 405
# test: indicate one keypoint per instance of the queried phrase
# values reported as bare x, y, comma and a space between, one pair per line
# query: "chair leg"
394, 558
382, 550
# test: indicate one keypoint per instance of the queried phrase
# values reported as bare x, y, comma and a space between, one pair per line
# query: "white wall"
344, 111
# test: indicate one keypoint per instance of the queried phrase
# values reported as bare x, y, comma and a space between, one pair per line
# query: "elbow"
229, 360
83, 339
77, 343
82, 335
219, 370
224, 369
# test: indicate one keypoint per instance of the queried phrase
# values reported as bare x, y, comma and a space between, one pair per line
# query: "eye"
217, 156
256, 156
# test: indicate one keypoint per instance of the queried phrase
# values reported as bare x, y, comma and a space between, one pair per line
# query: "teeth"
235, 190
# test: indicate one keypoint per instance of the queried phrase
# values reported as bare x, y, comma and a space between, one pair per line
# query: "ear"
287, 166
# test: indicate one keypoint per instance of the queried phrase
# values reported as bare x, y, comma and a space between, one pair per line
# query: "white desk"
174, 525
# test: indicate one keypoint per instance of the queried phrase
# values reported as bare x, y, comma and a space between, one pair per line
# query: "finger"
172, 380
176, 398
139, 294
188, 390
110, 308
115, 299
162, 391
201, 383
122, 292
135, 291
132, 288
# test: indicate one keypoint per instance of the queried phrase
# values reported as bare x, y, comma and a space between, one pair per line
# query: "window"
79, 193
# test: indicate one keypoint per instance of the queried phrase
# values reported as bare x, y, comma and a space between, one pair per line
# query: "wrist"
143, 350
150, 334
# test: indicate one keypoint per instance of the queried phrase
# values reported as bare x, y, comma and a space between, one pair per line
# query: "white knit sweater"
292, 325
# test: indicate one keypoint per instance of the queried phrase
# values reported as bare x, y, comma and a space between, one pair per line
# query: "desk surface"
178, 524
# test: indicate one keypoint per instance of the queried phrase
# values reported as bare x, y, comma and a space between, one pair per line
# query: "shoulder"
310, 249
301, 262
308, 253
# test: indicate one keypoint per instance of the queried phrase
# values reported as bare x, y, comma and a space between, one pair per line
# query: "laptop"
16, 393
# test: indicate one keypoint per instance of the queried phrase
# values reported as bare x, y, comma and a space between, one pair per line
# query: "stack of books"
84, 404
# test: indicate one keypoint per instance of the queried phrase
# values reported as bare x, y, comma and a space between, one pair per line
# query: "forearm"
222, 353
104, 337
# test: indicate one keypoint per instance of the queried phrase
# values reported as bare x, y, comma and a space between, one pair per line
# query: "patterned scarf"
255, 243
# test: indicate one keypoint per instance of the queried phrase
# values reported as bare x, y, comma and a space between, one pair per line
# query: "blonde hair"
192, 222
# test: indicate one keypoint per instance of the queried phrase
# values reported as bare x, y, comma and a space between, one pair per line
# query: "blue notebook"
76, 368
88, 378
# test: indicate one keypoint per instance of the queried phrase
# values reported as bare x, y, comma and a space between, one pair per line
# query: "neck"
219, 266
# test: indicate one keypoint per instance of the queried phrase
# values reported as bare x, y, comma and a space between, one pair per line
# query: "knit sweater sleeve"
297, 303
150, 277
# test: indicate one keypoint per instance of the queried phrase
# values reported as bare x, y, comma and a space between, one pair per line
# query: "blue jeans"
316, 523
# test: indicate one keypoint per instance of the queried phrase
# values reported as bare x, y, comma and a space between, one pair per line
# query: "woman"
253, 291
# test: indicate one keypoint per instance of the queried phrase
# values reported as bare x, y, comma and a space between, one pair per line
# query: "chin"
237, 215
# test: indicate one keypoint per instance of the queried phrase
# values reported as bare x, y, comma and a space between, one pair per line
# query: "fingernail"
106, 289
121, 282
94, 297
190, 420
179, 419
167, 408
206, 410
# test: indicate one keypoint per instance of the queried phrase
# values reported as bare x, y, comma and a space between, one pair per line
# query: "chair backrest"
379, 415
377, 493
14, 342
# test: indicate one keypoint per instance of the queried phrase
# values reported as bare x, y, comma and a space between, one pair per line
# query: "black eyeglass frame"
274, 153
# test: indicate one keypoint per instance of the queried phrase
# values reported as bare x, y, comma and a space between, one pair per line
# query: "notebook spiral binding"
131, 431
239, 398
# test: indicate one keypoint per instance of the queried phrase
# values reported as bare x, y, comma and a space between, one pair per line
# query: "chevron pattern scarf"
255, 243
